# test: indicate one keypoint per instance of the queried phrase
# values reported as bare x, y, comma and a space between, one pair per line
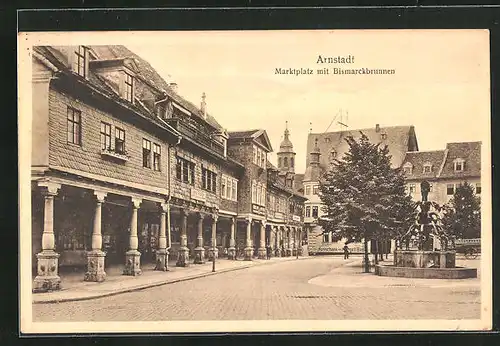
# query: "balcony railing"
197, 134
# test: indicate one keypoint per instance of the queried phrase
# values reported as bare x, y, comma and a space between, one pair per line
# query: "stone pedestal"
95, 266
424, 259
132, 263
248, 253
199, 255
231, 253
211, 253
183, 257
261, 254
161, 259
47, 278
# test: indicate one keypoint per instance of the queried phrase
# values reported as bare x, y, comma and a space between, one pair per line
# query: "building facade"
127, 172
325, 147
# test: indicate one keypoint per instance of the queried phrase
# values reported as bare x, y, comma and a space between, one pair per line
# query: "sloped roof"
468, 151
400, 139
150, 75
258, 135
418, 158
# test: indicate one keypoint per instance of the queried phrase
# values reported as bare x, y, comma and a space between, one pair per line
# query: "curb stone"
156, 284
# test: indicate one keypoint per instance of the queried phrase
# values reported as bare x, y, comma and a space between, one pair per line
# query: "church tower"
286, 155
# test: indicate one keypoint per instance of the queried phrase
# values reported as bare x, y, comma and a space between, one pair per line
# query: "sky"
440, 85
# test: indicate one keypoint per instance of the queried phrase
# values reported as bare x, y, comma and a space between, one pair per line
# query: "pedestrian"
268, 251
346, 251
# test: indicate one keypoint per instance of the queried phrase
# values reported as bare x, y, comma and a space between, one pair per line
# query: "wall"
183, 190
438, 193
87, 157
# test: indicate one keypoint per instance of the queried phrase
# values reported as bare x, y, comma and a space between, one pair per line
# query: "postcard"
255, 181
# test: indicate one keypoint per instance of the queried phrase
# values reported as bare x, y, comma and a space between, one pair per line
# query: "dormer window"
327, 139
80, 62
408, 168
459, 165
427, 168
129, 87
383, 136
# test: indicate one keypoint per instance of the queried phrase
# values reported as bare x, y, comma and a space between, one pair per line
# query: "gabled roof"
470, 152
400, 139
418, 159
257, 135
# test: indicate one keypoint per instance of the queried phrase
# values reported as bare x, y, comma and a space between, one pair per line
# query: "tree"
462, 216
363, 197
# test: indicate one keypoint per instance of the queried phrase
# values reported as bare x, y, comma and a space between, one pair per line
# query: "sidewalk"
73, 290
351, 275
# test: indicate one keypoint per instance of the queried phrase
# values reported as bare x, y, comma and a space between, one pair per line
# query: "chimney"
203, 105
377, 128
173, 86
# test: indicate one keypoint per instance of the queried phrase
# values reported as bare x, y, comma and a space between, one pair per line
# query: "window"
478, 188
146, 153
315, 211
327, 139
208, 179
333, 155
285, 162
255, 149
292, 162
450, 189
161, 111
315, 189
129, 87
279, 162
74, 126
383, 136
80, 63
156, 157
308, 211
263, 159
427, 168
308, 190
407, 168
258, 157
184, 170
412, 188
119, 141
459, 165
326, 237
228, 188
105, 136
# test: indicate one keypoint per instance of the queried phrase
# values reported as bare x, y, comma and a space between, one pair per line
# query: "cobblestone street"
287, 290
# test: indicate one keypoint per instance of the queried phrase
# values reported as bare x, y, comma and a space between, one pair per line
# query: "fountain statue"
432, 257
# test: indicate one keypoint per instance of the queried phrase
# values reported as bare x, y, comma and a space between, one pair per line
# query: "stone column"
132, 256
95, 258
214, 252
48, 260
248, 247
301, 250
262, 241
183, 257
199, 251
162, 252
289, 241
231, 253
280, 241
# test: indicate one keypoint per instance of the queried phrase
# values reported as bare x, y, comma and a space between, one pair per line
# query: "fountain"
426, 261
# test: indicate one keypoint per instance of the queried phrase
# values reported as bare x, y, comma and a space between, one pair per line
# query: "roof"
400, 140
442, 161
147, 72
418, 159
468, 151
257, 135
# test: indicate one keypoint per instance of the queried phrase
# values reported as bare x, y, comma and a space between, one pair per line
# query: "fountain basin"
424, 259
426, 273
